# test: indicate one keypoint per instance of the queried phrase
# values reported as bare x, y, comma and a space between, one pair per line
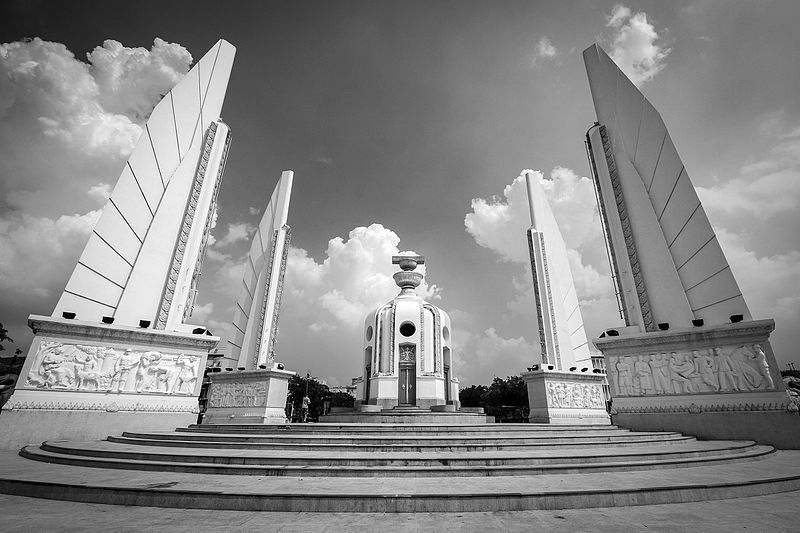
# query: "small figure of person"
306, 402
326, 405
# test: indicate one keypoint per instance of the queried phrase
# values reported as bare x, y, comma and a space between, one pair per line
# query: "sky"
407, 125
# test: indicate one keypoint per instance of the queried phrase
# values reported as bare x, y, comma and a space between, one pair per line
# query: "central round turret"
407, 348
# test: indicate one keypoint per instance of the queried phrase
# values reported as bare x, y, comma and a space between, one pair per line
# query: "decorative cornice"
46, 326
256, 354
212, 207
273, 333
537, 298
627, 232
740, 332
110, 407
694, 408
186, 228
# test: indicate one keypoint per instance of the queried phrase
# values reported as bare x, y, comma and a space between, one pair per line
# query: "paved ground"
778, 512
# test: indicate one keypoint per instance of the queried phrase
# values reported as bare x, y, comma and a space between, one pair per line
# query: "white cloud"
131, 79
236, 232
254, 210
500, 224
771, 288
768, 186
482, 354
635, 45
324, 303
544, 50
37, 255
66, 127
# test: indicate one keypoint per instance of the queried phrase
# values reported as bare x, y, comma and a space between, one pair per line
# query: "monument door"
367, 379
407, 384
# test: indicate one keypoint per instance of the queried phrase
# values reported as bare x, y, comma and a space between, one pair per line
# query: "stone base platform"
398, 468
438, 414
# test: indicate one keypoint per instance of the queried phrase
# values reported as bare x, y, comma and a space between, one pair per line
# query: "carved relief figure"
146, 371
727, 377
681, 372
761, 357
661, 380
186, 375
644, 373
706, 368
625, 377
750, 377
90, 372
122, 370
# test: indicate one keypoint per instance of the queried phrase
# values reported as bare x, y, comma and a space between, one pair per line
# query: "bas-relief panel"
719, 369
80, 367
238, 394
574, 395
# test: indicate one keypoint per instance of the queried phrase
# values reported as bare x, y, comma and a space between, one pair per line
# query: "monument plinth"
83, 380
258, 394
117, 352
690, 357
248, 397
563, 397
557, 395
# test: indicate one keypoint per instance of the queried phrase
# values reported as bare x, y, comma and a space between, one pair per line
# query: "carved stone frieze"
89, 368
565, 395
709, 370
252, 394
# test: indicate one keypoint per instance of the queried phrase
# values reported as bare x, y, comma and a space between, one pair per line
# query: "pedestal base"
715, 382
83, 380
557, 397
248, 397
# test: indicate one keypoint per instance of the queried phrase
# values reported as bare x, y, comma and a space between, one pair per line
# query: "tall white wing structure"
142, 259
561, 332
668, 264
255, 318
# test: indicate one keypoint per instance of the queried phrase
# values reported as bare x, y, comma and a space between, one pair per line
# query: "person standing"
306, 402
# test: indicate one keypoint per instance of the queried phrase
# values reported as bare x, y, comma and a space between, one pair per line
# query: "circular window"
446, 334
407, 329
369, 333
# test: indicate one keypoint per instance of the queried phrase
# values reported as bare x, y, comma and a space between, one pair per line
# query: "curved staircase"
398, 468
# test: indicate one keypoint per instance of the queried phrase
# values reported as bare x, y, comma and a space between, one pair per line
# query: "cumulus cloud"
767, 186
236, 232
544, 50
635, 45
325, 302
482, 354
66, 128
500, 224
771, 287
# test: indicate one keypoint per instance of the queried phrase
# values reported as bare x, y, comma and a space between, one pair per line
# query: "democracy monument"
107, 401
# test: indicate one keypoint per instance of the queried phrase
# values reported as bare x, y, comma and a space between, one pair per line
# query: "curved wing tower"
142, 259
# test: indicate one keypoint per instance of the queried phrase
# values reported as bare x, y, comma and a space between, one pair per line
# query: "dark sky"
402, 113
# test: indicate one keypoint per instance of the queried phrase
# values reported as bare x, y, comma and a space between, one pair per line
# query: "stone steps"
400, 428
382, 444
359, 467
777, 472
308, 463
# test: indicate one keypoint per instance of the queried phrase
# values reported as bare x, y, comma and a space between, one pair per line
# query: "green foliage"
4, 337
342, 399
298, 385
505, 399
471, 396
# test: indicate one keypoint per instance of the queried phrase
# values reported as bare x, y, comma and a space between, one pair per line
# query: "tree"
505, 399
342, 399
4, 337
300, 386
471, 396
